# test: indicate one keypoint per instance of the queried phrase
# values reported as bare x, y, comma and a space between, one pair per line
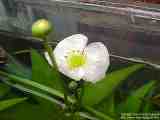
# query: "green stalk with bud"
73, 58
41, 29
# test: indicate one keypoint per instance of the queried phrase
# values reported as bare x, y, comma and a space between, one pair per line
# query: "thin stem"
49, 50
87, 116
35, 85
97, 113
25, 89
81, 92
65, 87
21, 51
134, 60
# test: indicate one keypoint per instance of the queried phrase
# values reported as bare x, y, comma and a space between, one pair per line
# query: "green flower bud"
41, 28
73, 85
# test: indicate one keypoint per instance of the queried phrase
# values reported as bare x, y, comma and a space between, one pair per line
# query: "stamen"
76, 59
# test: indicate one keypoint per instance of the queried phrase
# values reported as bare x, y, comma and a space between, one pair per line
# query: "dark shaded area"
13, 42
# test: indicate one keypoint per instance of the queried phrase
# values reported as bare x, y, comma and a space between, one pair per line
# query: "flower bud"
73, 85
41, 28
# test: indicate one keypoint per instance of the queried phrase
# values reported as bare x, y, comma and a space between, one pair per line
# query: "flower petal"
75, 42
48, 58
75, 74
97, 62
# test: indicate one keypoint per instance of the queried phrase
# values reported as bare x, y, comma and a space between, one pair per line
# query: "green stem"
66, 96
28, 82
39, 94
97, 113
87, 116
49, 50
81, 93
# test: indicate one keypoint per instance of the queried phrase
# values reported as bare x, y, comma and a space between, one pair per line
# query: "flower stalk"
49, 50
41, 29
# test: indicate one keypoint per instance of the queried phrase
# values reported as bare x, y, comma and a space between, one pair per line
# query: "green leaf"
134, 101
107, 106
17, 68
148, 107
31, 111
4, 89
95, 93
9, 103
43, 73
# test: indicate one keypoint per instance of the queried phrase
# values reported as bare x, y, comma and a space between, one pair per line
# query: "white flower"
78, 60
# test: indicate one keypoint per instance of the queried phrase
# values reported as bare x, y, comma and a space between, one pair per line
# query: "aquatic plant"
88, 93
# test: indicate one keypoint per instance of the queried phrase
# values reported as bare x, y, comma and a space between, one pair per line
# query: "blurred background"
129, 28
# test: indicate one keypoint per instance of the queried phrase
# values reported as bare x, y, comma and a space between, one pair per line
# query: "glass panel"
129, 30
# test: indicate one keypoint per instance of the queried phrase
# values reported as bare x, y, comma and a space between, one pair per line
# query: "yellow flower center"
76, 59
